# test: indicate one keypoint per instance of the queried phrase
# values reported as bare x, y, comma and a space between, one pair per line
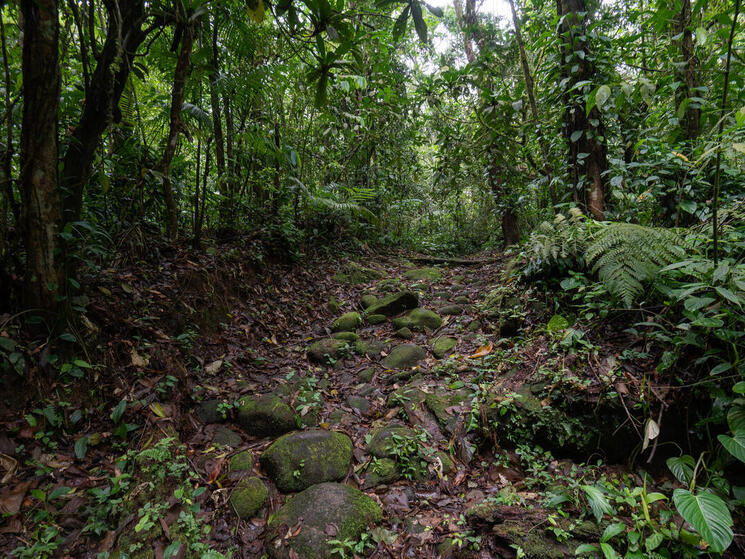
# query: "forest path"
387, 402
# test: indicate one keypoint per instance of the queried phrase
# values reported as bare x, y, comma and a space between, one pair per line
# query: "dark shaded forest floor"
452, 447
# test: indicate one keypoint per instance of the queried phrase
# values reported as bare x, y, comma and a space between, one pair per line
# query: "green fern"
557, 246
626, 256
325, 201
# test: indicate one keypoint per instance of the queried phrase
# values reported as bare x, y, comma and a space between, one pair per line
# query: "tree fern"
324, 200
625, 256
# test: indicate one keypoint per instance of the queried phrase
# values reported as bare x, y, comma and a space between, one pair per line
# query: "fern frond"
626, 256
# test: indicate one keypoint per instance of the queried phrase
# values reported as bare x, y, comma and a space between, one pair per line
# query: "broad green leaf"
81, 447
696, 303
576, 135
708, 515
739, 388
608, 551
736, 417
612, 531
116, 415
597, 501
737, 146
255, 10
682, 467
586, 548
654, 541
602, 95
557, 323
419, 24
400, 26
734, 445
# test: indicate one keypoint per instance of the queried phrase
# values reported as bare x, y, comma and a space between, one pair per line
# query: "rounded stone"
419, 274
265, 415
395, 304
325, 350
423, 319
367, 300
346, 336
404, 333
404, 356
442, 345
348, 322
248, 497
318, 511
374, 319
241, 462
304, 458
451, 310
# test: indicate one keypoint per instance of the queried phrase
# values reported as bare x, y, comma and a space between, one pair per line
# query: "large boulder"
404, 356
348, 322
423, 319
265, 415
327, 350
248, 497
304, 458
323, 512
394, 304
382, 439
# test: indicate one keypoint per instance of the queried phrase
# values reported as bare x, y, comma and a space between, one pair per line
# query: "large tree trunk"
581, 136
39, 150
123, 37
217, 114
688, 74
177, 103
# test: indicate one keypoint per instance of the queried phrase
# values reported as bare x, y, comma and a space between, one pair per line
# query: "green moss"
429, 274
301, 459
333, 305
248, 497
346, 336
227, 437
374, 319
443, 345
394, 304
423, 319
381, 439
353, 273
264, 415
348, 322
243, 461
451, 310
368, 300
404, 356
404, 333
381, 471
325, 350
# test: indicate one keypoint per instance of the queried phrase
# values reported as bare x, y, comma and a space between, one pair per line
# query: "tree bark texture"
584, 134
39, 150
123, 37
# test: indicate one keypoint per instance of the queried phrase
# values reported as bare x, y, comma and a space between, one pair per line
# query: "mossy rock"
423, 319
367, 300
474, 326
404, 333
395, 304
242, 462
403, 322
440, 400
333, 305
462, 300
315, 510
451, 310
366, 375
443, 345
326, 350
348, 322
381, 471
404, 356
346, 336
428, 274
370, 348
353, 273
227, 437
208, 412
390, 285
265, 415
248, 497
447, 463
301, 459
358, 403
381, 439
374, 319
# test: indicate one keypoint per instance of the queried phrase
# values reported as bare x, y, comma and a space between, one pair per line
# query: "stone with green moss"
381, 471
227, 437
348, 322
451, 310
418, 274
320, 510
264, 415
462, 300
248, 497
404, 333
327, 350
354, 273
403, 322
423, 319
395, 304
447, 463
374, 319
366, 375
371, 348
367, 300
404, 356
301, 459
443, 345
359, 403
333, 305
242, 462
474, 326
390, 285
382, 439
346, 336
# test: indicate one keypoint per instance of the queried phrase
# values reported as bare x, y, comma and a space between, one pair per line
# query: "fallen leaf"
11, 499
213, 367
137, 359
482, 351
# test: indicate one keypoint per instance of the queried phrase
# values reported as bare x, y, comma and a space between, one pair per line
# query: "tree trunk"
688, 74
217, 122
6, 164
177, 103
123, 37
39, 151
581, 136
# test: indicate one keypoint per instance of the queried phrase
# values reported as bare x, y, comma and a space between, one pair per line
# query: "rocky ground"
389, 409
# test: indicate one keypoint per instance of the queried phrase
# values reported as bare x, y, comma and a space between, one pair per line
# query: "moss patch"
325, 350
395, 304
429, 274
348, 322
265, 415
241, 462
443, 345
346, 336
248, 497
404, 356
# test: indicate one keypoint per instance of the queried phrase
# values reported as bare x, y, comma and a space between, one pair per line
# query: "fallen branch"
457, 261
